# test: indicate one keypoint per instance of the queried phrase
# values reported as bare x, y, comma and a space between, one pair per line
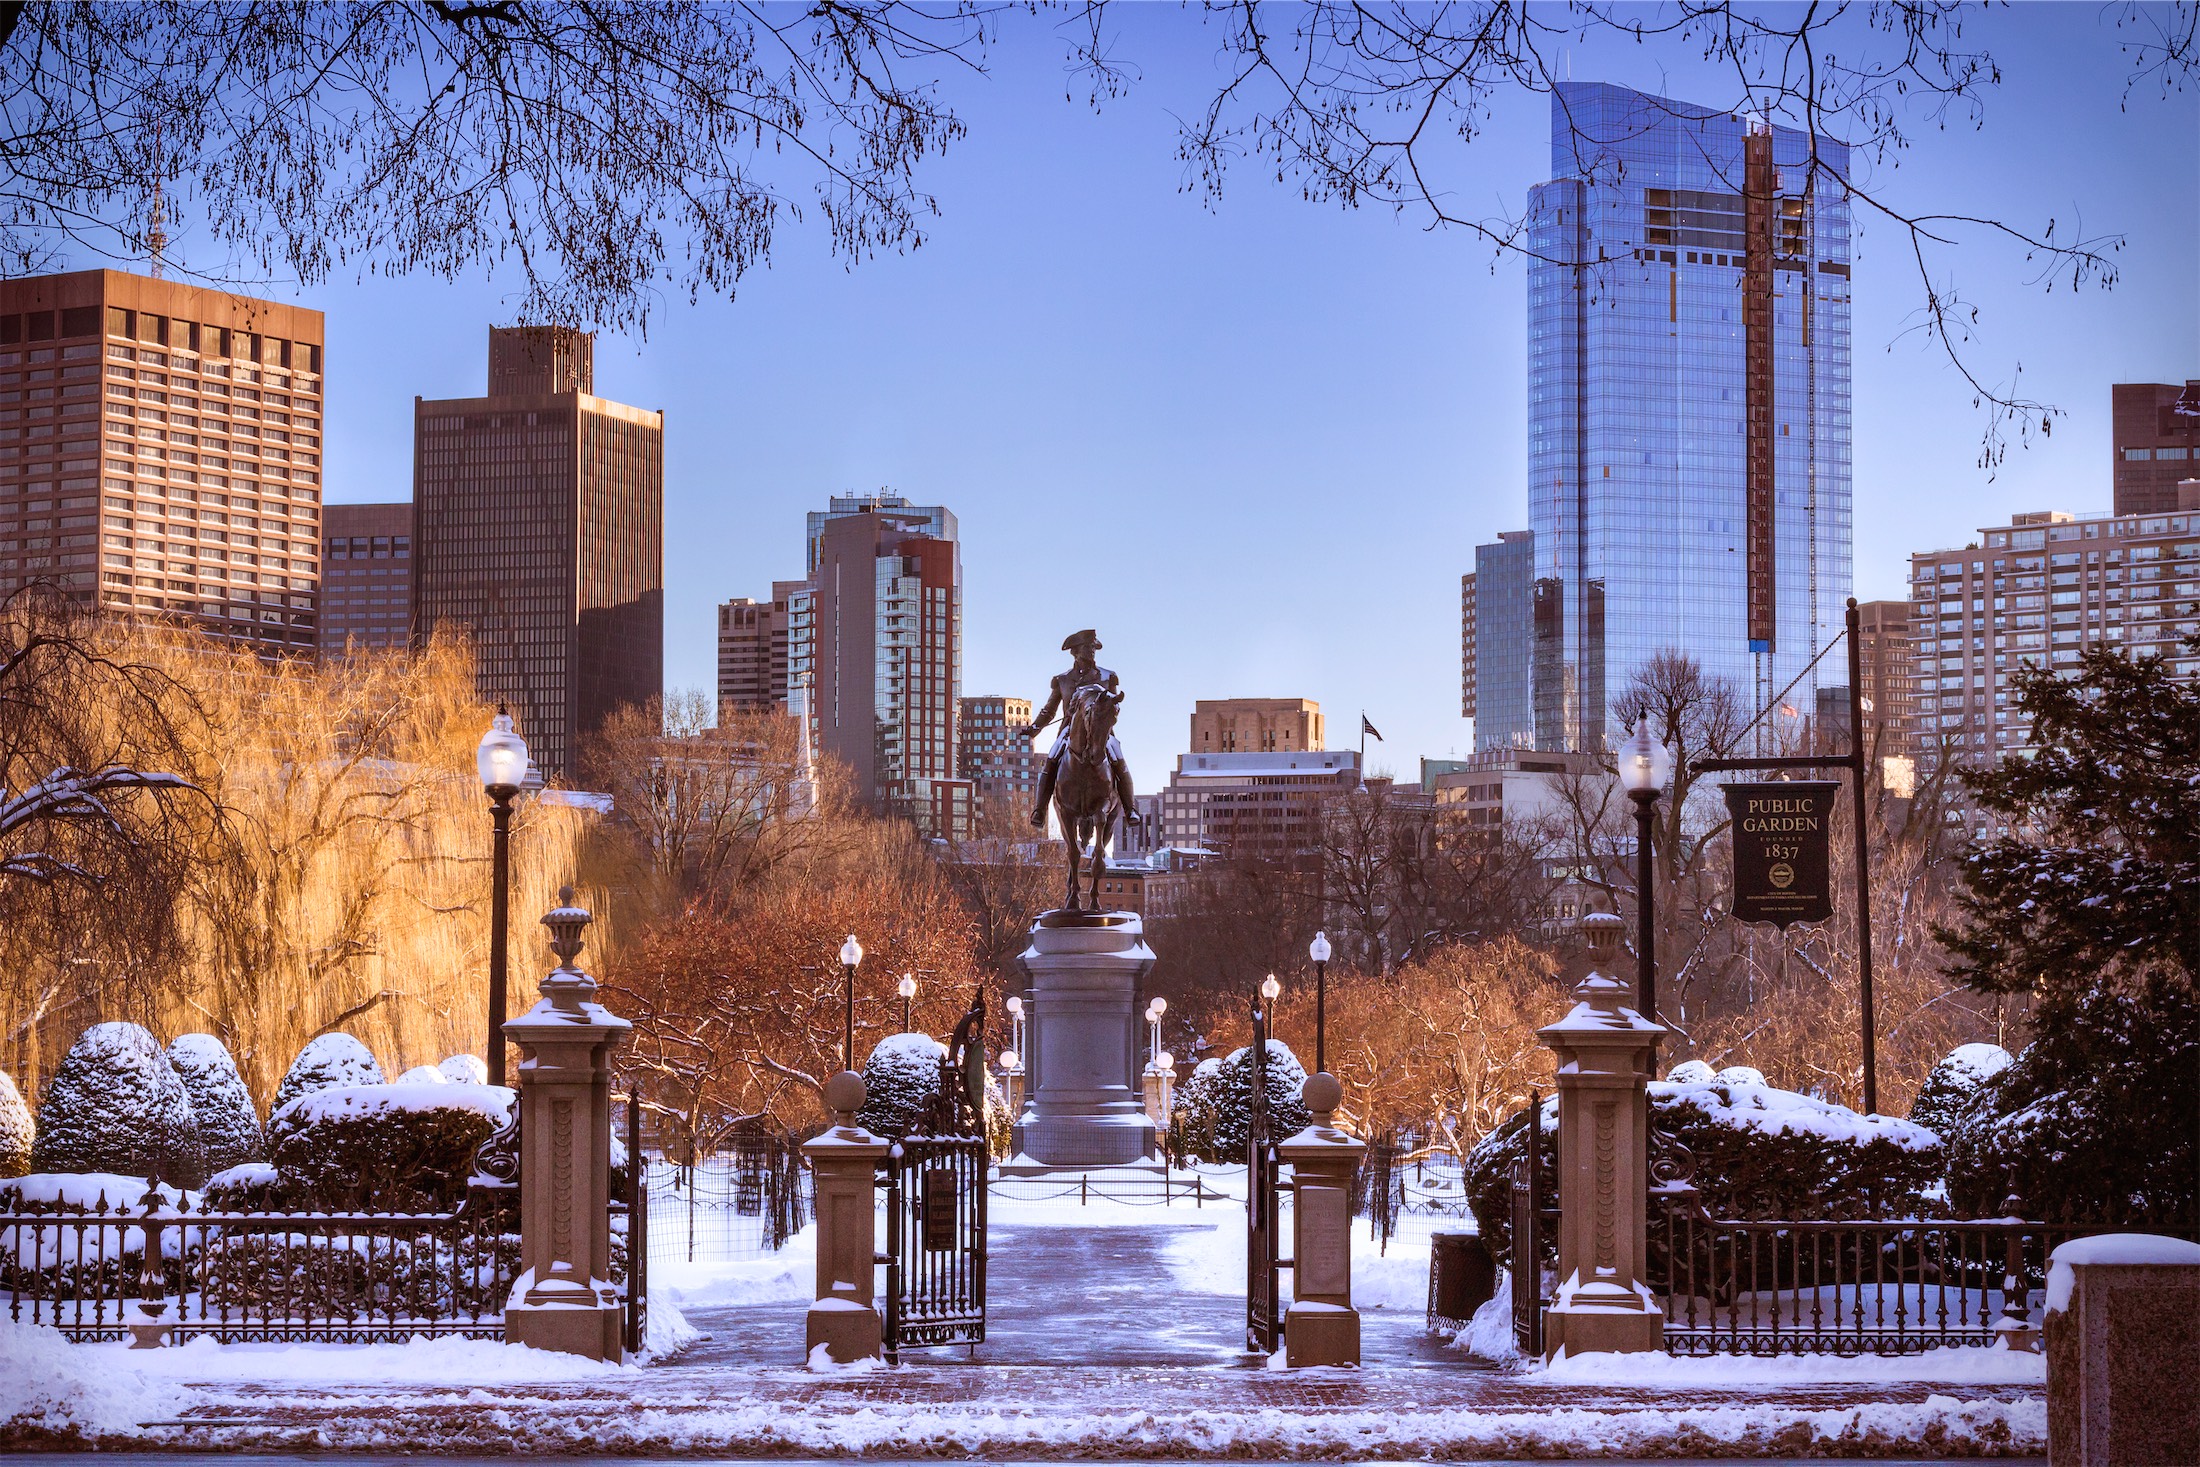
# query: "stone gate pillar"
844, 1161
563, 1299
1606, 1053
1321, 1327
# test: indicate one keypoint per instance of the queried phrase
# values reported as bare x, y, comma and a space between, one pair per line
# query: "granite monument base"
1083, 1105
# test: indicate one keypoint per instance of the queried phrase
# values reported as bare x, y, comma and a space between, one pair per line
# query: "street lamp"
1318, 950
1154, 1011
907, 988
1644, 767
851, 954
502, 762
1270, 989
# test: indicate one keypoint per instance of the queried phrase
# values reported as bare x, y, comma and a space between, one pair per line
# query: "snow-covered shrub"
391, 1148
1759, 1152
1287, 1114
2093, 1122
16, 1129
422, 1075
252, 1186
900, 1079
465, 1069
115, 1104
1691, 1072
999, 1123
229, 1128
1954, 1082
327, 1063
1192, 1113
1740, 1075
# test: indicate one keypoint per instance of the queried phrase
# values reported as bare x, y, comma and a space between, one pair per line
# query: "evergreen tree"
1233, 1092
900, 1078
330, 1061
1954, 1083
115, 1104
16, 1129
229, 1128
2091, 905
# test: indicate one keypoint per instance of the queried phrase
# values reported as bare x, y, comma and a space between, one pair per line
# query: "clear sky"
1255, 445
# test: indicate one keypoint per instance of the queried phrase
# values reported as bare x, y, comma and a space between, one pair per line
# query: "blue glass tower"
1689, 417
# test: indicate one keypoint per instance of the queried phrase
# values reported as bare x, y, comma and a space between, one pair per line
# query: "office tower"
1248, 725
752, 651
999, 760
1259, 804
1688, 434
1466, 645
366, 577
2157, 437
2036, 592
160, 451
539, 531
875, 646
1504, 594
1890, 677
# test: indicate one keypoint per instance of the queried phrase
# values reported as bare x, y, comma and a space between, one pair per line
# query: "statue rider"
1083, 673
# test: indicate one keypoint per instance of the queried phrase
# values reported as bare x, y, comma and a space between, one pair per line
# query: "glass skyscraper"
1689, 415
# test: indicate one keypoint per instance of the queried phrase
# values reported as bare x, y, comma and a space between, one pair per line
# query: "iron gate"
1263, 1309
935, 1183
1528, 1218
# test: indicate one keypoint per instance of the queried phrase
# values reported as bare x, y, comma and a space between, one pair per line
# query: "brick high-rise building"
539, 530
2157, 432
752, 651
999, 761
1890, 677
1255, 725
875, 646
160, 451
366, 577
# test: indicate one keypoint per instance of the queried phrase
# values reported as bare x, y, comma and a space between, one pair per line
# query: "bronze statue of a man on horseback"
1086, 777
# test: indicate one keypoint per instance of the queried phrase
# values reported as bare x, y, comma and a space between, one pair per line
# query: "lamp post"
1154, 1011
1644, 767
851, 956
502, 763
907, 988
1318, 950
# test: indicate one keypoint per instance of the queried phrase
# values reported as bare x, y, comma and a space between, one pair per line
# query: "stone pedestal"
844, 1163
1083, 1107
2123, 1352
1606, 1054
1321, 1327
563, 1299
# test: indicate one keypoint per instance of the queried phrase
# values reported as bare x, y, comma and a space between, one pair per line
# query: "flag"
1369, 728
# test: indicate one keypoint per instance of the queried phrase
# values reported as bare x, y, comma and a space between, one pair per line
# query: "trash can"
1462, 1277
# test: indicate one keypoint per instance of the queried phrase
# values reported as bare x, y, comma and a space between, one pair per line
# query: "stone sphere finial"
844, 1094
1321, 1095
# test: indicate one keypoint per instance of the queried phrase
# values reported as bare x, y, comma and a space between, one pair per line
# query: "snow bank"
447, 1360
60, 1394
1986, 1366
87, 1190
2110, 1248
791, 1273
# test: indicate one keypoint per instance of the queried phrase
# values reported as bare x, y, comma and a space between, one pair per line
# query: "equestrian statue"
1086, 776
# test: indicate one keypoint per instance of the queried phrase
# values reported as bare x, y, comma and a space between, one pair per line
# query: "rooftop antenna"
156, 228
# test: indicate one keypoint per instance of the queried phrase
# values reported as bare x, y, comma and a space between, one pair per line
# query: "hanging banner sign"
1783, 840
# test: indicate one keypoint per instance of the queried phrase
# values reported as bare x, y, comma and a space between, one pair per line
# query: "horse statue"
1089, 788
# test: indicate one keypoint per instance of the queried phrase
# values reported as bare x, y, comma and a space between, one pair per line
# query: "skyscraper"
874, 649
752, 651
160, 451
1689, 414
366, 577
539, 529
2157, 433
1498, 637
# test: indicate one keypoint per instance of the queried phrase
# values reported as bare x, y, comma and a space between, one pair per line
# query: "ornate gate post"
562, 1300
1321, 1327
1606, 1052
845, 1163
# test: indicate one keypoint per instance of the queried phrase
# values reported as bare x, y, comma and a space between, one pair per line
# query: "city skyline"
1183, 376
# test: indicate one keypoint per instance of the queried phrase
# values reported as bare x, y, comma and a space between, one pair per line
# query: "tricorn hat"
1074, 640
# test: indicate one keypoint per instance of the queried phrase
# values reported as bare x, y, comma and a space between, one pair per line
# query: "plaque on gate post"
1782, 833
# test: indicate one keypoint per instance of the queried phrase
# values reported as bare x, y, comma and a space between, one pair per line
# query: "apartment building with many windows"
366, 577
160, 452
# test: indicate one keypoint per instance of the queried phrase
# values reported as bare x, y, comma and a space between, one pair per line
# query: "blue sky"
1281, 427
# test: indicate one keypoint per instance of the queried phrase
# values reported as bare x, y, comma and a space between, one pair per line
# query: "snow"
245, 1174
465, 1069
1982, 1366
1740, 1075
1979, 1061
444, 1360
2131, 1248
350, 1102
74, 1392
1691, 1072
791, 1273
86, 1189
1763, 1108
909, 1048
422, 1075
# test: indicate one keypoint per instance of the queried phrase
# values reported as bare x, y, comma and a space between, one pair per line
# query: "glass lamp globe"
907, 988
851, 952
1644, 763
1270, 988
1318, 949
502, 757
1165, 1060
1016, 1005
1011, 1061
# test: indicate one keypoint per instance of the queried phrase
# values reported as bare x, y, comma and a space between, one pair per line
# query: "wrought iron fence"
92, 1271
742, 1202
1735, 1286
